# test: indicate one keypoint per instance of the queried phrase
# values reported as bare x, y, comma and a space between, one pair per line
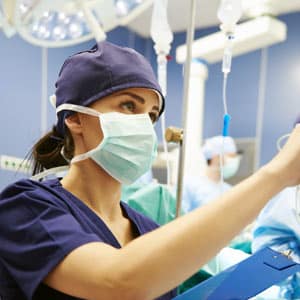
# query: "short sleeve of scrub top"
37, 231
40, 223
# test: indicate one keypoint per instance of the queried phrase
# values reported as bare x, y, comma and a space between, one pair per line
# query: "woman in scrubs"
72, 238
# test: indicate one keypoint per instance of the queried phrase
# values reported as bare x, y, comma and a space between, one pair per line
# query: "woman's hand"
286, 164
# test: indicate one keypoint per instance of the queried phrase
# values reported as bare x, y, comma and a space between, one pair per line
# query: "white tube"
194, 160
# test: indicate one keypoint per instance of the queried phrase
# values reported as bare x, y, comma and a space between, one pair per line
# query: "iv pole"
187, 73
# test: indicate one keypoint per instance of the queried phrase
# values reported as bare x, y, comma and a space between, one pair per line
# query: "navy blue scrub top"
41, 223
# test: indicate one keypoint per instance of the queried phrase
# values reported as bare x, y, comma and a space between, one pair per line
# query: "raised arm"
151, 265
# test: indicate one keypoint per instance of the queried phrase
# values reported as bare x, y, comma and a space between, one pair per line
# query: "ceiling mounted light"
56, 23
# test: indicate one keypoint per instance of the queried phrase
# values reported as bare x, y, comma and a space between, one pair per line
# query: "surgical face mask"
231, 166
129, 144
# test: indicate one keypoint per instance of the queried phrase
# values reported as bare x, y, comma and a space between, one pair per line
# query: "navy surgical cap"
105, 69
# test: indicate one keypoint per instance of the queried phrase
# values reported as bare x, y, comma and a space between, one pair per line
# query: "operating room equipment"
186, 87
11, 163
162, 37
175, 135
7, 9
93, 23
261, 104
229, 13
55, 23
280, 141
250, 35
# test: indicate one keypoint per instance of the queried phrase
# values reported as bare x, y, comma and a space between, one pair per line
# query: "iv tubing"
226, 122
279, 141
225, 94
226, 119
221, 167
187, 74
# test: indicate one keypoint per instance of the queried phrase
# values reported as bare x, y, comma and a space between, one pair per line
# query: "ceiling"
206, 16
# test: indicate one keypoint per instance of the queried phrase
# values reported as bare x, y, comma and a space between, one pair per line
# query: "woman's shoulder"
28, 187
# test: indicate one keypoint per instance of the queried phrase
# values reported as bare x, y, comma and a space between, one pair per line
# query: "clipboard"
246, 279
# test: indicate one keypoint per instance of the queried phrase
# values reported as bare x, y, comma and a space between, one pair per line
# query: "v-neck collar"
97, 219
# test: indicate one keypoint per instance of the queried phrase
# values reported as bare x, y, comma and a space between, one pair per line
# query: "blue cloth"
198, 191
278, 228
40, 223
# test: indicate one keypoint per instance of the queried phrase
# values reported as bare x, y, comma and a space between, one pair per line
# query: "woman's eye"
129, 106
153, 117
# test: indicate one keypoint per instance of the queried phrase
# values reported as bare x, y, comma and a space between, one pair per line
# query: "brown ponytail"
46, 153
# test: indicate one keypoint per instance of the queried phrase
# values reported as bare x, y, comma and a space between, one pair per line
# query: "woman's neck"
93, 186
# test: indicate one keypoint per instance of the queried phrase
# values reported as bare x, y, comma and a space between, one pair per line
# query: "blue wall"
20, 90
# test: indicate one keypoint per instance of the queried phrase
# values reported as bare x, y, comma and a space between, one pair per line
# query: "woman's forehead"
144, 96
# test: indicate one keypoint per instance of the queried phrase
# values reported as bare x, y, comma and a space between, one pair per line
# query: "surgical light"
55, 23
75, 30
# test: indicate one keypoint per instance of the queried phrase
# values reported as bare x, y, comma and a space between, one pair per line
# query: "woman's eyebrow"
138, 98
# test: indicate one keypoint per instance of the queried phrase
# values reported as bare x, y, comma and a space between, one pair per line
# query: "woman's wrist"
275, 174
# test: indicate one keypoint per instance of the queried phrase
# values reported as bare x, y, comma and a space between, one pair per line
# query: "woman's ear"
74, 124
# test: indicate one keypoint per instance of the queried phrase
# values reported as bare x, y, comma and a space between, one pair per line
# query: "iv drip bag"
160, 30
229, 12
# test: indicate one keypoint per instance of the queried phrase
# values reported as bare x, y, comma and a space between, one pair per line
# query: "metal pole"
187, 72
261, 105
